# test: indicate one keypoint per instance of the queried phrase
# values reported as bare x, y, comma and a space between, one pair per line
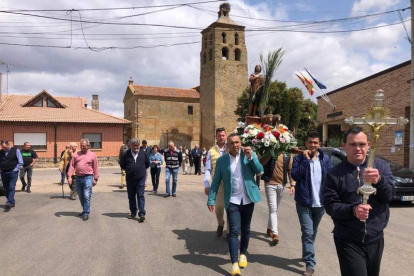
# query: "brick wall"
66, 133
356, 99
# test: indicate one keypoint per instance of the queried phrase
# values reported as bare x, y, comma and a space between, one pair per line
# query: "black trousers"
357, 259
136, 189
197, 164
155, 178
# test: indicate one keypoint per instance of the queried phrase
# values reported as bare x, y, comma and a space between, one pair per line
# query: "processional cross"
375, 118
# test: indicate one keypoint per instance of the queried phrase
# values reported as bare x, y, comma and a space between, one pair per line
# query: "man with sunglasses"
10, 162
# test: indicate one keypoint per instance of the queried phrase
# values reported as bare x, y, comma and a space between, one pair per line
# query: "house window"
224, 36
95, 139
36, 140
236, 39
190, 110
225, 53
237, 54
50, 103
39, 103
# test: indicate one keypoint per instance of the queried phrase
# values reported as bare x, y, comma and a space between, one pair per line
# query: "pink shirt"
84, 163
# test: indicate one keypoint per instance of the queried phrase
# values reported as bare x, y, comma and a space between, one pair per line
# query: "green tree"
297, 113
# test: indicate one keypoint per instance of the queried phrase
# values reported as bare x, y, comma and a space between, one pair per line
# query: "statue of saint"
256, 90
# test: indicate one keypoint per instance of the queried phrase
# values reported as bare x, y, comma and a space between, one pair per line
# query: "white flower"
241, 124
253, 132
266, 144
244, 135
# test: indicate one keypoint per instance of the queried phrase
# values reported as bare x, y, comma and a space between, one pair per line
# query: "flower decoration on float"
265, 139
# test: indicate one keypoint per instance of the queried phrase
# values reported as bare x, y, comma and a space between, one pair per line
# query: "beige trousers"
220, 207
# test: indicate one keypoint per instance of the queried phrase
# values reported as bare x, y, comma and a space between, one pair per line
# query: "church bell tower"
223, 74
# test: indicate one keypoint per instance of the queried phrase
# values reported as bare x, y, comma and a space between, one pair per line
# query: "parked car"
402, 177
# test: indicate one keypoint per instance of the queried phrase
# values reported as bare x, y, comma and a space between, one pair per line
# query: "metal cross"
375, 118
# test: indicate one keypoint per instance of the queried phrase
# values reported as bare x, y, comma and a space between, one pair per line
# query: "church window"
190, 110
204, 58
39, 103
225, 53
237, 54
205, 41
224, 36
129, 112
210, 55
236, 39
211, 39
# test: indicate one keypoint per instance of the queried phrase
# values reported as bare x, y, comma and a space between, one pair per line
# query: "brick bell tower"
223, 74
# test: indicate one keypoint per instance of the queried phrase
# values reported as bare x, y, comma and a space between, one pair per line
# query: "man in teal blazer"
237, 171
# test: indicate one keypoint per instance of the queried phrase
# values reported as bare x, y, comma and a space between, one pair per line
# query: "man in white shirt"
236, 171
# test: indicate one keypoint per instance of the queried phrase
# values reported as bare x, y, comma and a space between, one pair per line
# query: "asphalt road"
43, 235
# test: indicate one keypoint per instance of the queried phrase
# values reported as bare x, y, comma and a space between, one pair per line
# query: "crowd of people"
230, 184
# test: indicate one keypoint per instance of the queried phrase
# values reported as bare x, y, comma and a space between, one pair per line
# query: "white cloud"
374, 5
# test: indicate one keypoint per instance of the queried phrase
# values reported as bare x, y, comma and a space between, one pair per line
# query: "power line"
125, 8
103, 23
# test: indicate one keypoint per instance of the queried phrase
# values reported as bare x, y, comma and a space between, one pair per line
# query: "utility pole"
411, 146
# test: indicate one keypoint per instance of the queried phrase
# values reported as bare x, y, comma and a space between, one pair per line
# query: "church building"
190, 116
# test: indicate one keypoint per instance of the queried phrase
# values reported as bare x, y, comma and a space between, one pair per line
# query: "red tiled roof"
11, 110
165, 92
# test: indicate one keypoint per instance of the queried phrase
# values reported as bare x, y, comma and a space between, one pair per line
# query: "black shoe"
167, 195
85, 217
141, 218
28, 190
132, 216
81, 214
174, 195
219, 231
23, 187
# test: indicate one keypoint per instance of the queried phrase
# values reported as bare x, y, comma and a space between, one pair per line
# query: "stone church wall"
157, 115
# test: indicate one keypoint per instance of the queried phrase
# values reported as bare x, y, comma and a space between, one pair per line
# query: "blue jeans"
309, 218
84, 186
168, 173
9, 183
136, 189
239, 218
62, 176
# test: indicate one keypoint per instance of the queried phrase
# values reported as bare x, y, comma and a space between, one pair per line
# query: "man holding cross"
358, 230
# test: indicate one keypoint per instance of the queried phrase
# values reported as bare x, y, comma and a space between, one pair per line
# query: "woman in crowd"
155, 164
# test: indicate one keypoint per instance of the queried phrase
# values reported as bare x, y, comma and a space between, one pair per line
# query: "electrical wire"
125, 8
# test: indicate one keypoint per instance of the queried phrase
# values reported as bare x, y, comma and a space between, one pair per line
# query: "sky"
336, 59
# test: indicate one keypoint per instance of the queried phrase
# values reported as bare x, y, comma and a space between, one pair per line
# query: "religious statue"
257, 82
271, 120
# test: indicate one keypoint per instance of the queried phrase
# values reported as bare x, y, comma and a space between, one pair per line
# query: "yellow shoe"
242, 261
235, 270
